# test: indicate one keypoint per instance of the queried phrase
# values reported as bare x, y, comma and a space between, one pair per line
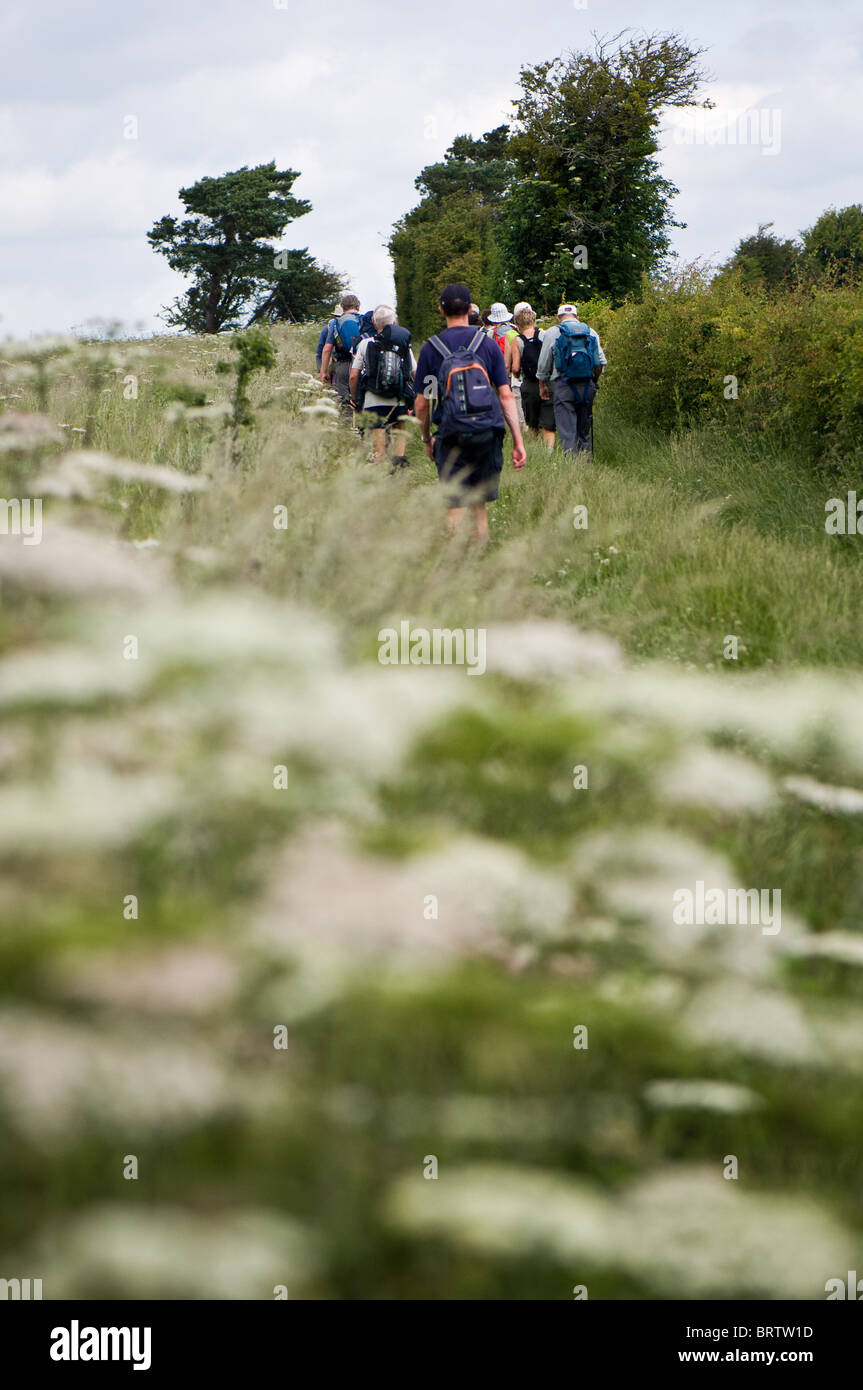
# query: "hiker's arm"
507, 400
508, 356
514, 350
325, 362
421, 410
354, 382
597, 373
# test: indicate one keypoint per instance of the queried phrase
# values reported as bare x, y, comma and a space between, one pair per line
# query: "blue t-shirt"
488, 353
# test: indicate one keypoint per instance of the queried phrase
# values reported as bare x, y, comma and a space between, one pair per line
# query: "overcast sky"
358, 97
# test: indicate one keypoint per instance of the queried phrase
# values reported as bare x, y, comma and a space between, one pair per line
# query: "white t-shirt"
358, 365
517, 378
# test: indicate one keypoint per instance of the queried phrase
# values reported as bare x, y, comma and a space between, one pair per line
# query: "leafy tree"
223, 243
450, 235
834, 244
437, 245
300, 289
479, 166
764, 261
584, 143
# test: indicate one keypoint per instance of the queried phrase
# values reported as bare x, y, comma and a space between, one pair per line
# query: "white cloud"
358, 100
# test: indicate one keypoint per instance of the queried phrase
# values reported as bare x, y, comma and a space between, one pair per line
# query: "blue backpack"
576, 355
346, 335
469, 402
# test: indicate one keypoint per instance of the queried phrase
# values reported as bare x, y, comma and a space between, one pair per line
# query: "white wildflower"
84, 807
165, 1252
752, 1021
26, 433
71, 560
846, 801
843, 946
329, 901
156, 474
541, 650
720, 1096
57, 1079
184, 979
65, 675
717, 780
680, 1228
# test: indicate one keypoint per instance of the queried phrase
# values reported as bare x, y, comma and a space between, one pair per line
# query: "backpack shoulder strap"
442, 348
475, 341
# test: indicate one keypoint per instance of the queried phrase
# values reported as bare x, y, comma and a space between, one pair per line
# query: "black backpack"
530, 350
388, 365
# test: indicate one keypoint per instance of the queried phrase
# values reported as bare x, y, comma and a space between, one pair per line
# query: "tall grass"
430, 906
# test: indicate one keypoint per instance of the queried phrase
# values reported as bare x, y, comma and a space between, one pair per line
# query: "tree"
479, 166
584, 141
764, 261
223, 243
450, 235
436, 245
300, 289
834, 244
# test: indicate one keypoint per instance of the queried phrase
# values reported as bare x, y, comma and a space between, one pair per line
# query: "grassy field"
508, 1072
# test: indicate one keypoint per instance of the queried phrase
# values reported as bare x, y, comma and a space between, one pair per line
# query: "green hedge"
797, 361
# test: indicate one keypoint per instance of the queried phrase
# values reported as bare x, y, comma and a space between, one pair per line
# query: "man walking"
342, 336
463, 372
382, 383
572, 359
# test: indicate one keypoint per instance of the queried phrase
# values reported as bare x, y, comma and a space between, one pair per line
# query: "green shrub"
787, 368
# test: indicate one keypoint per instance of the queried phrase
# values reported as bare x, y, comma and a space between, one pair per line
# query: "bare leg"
548, 438
379, 445
480, 524
454, 518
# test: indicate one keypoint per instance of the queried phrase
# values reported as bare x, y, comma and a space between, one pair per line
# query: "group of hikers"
480, 375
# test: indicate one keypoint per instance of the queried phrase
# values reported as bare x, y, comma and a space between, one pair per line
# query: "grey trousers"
342, 387
573, 413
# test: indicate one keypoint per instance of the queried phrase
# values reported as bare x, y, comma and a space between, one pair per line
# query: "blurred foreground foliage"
430, 907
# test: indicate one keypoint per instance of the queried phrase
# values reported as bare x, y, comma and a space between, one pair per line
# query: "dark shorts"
470, 473
380, 417
538, 414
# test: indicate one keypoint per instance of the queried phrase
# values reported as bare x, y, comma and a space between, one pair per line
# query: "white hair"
383, 315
